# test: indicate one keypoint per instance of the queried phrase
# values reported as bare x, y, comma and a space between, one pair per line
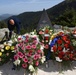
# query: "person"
12, 23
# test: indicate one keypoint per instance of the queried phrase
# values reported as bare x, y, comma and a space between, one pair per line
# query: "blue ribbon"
52, 43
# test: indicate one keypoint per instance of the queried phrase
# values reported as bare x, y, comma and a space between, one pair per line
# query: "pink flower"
35, 42
24, 65
15, 48
41, 32
33, 46
37, 63
23, 47
15, 57
25, 60
26, 40
39, 51
29, 54
20, 44
30, 51
28, 47
34, 37
36, 56
19, 39
27, 36
20, 54
46, 46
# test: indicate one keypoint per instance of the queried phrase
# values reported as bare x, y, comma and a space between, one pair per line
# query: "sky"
16, 7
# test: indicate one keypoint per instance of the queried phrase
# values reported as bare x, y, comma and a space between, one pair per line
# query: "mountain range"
5, 16
30, 19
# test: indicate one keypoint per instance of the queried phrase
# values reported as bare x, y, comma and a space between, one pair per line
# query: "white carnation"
15, 39
41, 47
1, 46
2, 50
58, 59
31, 68
10, 42
17, 62
5, 43
43, 59
52, 49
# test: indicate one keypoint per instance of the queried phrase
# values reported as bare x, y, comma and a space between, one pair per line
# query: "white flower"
9, 44
1, 46
5, 43
15, 39
2, 50
41, 47
17, 62
58, 59
31, 68
43, 59
19, 36
32, 33
52, 49
64, 50
10, 41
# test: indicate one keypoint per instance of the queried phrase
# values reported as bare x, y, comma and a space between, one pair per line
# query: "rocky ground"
53, 69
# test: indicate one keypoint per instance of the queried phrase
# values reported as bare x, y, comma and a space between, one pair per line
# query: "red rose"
71, 48
67, 41
61, 54
59, 48
54, 48
46, 31
46, 38
61, 33
59, 41
71, 56
64, 38
66, 45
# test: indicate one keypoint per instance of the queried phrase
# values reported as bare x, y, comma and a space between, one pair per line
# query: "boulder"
2, 32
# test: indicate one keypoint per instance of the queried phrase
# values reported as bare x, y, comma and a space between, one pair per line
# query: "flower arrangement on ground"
44, 36
62, 47
6, 52
28, 53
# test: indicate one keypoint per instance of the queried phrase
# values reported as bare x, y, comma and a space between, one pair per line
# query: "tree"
68, 18
3, 24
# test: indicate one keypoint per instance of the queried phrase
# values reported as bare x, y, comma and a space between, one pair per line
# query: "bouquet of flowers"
62, 47
6, 52
44, 36
28, 53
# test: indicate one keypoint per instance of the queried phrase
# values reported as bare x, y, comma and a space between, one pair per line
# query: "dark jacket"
17, 25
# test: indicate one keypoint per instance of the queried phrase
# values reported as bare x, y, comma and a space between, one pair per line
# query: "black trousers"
10, 35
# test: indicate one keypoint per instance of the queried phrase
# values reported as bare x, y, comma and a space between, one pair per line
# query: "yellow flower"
0, 53
7, 47
12, 47
2, 50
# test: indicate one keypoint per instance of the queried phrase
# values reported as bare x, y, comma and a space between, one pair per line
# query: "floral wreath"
28, 53
62, 47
